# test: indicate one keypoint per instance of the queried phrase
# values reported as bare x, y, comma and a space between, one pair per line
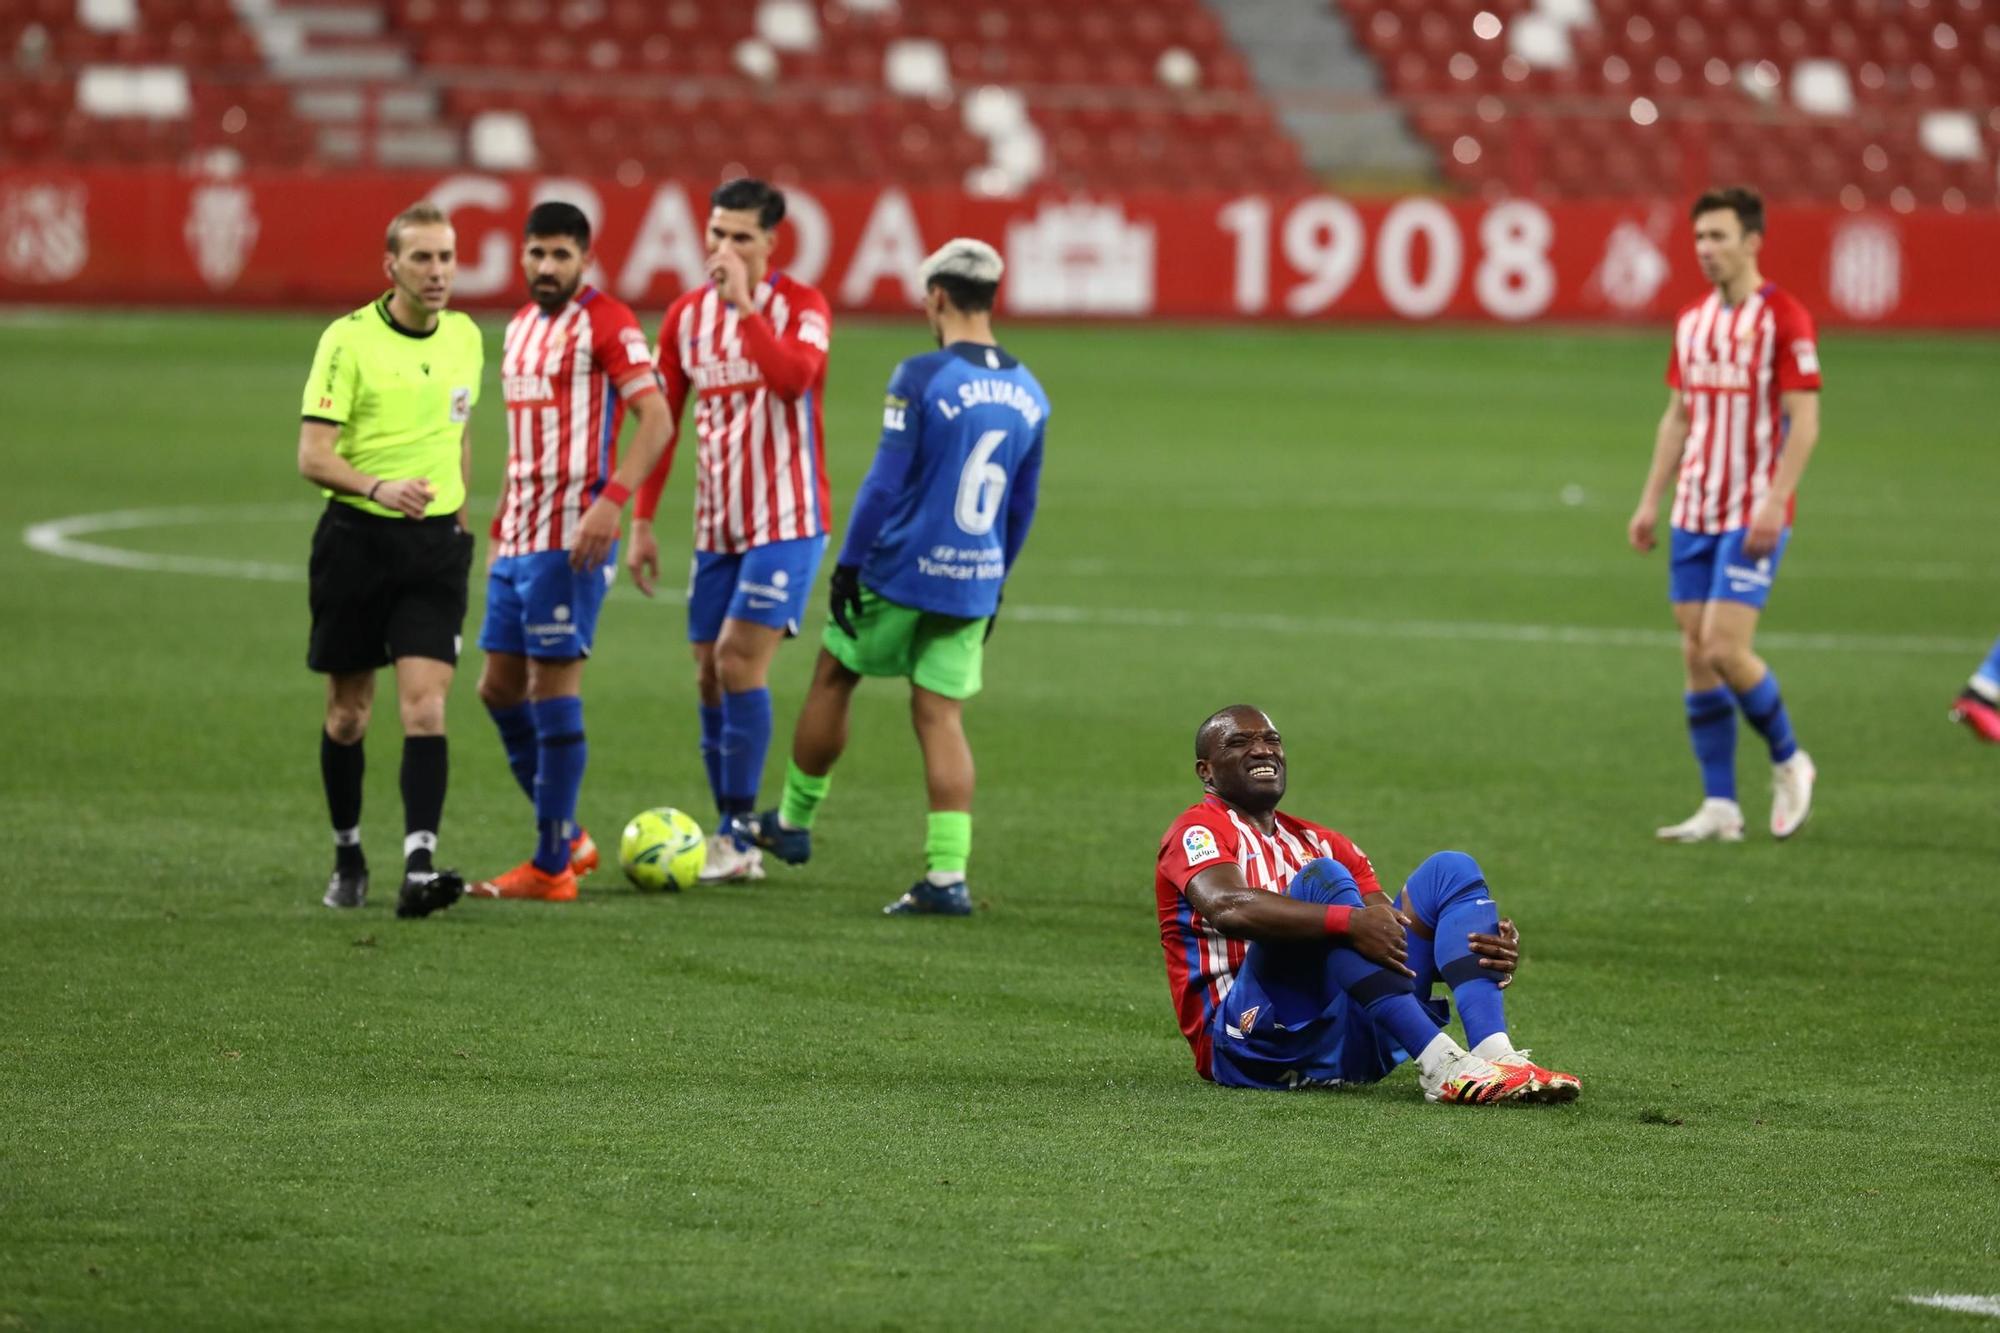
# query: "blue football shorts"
1711, 567
766, 585
537, 606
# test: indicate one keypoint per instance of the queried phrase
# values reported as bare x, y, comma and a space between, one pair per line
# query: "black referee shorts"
385, 588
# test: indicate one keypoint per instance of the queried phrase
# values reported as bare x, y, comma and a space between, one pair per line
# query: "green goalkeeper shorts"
939, 653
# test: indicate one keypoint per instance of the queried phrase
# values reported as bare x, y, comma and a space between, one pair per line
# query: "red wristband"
1337, 916
615, 493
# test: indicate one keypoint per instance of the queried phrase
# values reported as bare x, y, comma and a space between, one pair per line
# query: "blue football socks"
1448, 894
746, 735
1388, 997
561, 756
517, 738
1765, 710
1711, 716
711, 749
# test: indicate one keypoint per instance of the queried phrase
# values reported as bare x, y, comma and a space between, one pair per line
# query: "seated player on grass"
1289, 966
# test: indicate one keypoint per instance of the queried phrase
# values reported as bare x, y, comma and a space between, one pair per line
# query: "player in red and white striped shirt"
1739, 427
1289, 966
753, 347
575, 359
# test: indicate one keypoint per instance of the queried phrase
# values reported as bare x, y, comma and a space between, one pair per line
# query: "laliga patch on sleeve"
461, 406
1199, 844
1807, 356
812, 329
636, 351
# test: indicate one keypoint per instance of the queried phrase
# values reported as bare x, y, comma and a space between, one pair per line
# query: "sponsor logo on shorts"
555, 631
1199, 844
775, 590
1743, 579
755, 605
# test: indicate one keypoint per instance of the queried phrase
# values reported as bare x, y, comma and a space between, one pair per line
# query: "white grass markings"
64, 537
1986, 1305
60, 537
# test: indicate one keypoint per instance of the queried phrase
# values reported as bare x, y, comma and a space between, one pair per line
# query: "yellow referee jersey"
401, 399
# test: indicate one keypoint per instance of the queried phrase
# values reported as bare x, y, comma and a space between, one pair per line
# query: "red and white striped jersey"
760, 457
1201, 961
566, 377
1730, 364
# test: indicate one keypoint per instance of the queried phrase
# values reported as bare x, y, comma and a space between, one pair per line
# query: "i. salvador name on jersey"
560, 374
975, 419
1202, 962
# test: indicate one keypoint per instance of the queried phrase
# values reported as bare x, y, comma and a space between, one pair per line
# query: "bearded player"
1291, 968
752, 344
575, 361
1740, 425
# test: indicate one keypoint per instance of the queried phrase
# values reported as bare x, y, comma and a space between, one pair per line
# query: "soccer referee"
387, 435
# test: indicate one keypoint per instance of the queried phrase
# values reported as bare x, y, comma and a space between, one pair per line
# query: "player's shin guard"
1449, 896
426, 766
1764, 708
1711, 718
803, 793
711, 749
560, 759
517, 738
746, 736
947, 843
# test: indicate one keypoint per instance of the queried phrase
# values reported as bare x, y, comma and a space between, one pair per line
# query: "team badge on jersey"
1199, 844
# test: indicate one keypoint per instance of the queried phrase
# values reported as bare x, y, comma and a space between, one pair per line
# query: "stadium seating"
1130, 94
1859, 101
1856, 101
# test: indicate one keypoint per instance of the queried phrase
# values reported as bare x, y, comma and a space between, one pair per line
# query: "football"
662, 849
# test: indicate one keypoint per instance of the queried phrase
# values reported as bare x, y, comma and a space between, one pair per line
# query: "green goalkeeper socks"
803, 793
948, 842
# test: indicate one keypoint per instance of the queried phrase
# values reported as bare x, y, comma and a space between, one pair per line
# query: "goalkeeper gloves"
844, 597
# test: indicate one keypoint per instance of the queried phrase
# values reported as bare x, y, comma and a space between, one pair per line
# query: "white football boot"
1791, 793
1717, 821
728, 863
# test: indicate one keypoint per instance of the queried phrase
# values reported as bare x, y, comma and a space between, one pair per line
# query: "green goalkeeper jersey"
400, 398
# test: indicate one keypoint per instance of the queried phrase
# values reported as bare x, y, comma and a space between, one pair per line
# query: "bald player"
1291, 968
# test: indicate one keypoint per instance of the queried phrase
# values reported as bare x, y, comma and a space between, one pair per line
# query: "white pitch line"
1986, 1305
1478, 630
61, 537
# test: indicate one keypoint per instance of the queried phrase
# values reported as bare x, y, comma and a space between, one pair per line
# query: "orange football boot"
1551, 1085
527, 881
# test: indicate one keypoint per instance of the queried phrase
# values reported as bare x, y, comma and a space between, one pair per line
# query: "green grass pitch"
223, 1106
